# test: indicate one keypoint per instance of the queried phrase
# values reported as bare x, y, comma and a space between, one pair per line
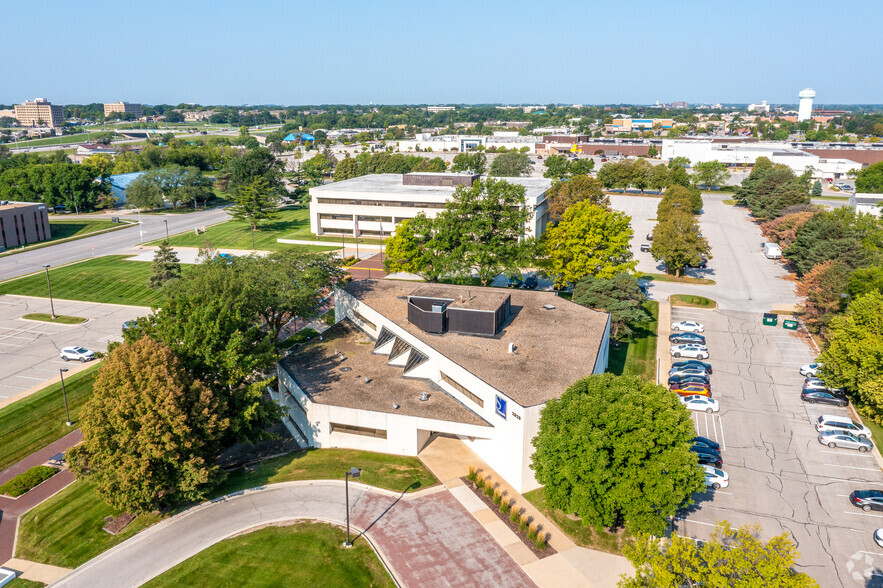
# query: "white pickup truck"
772, 251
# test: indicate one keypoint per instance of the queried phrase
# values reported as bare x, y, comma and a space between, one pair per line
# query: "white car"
701, 403
715, 478
831, 422
77, 354
810, 369
878, 537
690, 350
688, 326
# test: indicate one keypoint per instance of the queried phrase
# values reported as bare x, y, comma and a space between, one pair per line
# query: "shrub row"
506, 506
30, 479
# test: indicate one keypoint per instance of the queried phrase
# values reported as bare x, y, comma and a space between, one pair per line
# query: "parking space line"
837, 465
723, 441
697, 522
863, 514
28, 377
841, 453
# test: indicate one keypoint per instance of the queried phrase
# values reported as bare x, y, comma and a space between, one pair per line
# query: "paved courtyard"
29, 350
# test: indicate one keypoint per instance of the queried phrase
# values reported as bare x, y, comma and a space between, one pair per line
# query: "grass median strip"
39, 419
67, 530
261, 559
681, 280
692, 301
637, 354
109, 279
59, 318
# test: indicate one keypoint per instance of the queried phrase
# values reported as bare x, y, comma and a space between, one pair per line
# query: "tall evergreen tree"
166, 266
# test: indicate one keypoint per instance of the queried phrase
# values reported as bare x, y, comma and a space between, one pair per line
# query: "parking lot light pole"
49, 285
352, 473
167, 230
64, 393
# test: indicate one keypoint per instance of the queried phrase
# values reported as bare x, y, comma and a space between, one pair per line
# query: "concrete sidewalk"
449, 459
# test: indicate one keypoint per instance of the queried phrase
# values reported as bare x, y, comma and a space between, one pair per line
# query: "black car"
693, 362
678, 338
823, 397
645, 247
699, 440
696, 379
867, 499
709, 459
514, 283
530, 282
701, 448
649, 236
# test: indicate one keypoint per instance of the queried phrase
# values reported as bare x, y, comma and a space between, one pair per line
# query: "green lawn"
66, 530
264, 559
37, 420
393, 472
21, 583
73, 229
693, 301
581, 534
64, 139
682, 280
109, 279
59, 318
234, 234
637, 355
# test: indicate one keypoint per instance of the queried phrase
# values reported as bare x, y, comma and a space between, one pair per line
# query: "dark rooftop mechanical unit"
482, 315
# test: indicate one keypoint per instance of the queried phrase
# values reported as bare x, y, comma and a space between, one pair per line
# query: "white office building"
866, 203
406, 362
374, 204
463, 143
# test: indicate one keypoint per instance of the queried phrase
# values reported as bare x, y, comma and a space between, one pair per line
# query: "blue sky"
391, 52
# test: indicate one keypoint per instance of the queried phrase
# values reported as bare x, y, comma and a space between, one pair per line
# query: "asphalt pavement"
153, 228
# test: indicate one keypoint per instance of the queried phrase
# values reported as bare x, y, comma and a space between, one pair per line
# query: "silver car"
844, 439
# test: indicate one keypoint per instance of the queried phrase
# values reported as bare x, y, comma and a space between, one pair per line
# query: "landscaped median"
681, 280
30, 479
67, 530
692, 301
59, 318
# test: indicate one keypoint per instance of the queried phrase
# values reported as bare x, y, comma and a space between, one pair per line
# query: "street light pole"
352, 473
49, 285
64, 393
167, 229
252, 238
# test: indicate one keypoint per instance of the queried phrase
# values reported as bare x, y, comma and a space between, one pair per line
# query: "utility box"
790, 324
770, 319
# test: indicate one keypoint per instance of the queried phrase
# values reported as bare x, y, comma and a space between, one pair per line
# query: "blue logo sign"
501, 407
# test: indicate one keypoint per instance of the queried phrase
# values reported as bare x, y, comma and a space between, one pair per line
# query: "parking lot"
29, 350
781, 477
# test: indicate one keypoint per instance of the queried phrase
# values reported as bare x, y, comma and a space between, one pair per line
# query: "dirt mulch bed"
116, 525
549, 550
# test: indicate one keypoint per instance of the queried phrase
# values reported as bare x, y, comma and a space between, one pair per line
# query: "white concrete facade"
462, 143
373, 205
504, 442
738, 153
804, 110
866, 203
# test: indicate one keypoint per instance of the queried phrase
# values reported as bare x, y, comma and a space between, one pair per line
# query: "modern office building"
866, 203
374, 204
406, 362
804, 110
39, 113
132, 108
440, 108
23, 223
762, 107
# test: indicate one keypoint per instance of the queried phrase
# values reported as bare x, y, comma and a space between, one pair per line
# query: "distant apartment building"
39, 113
440, 108
197, 115
762, 107
627, 125
22, 223
131, 108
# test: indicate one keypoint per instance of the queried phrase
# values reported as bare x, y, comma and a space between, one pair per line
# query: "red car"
691, 389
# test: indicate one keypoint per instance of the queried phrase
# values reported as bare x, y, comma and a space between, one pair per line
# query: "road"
426, 540
745, 280
153, 228
781, 477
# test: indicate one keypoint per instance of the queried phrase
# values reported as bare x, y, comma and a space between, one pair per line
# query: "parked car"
691, 390
772, 251
693, 363
700, 440
689, 379
690, 350
867, 499
77, 354
645, 247
688, 326
715, 478
816, 387
810, 370
649, 236
709, 459
129, 325
830, 422
699, 448
702, 263
844, 439
878, 537
530, 282
514, 282
700, 403
823, 397
814, 384
687, 371
678, 338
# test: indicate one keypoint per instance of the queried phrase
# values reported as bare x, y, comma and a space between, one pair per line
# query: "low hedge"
30, 479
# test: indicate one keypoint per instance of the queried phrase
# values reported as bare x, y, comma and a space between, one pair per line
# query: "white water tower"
804, 112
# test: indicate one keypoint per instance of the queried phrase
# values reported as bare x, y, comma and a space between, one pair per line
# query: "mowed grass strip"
37, 420
64, 229
110, 279
59, 318
234, 234
692, 301
263, 559
636, 356
67, 530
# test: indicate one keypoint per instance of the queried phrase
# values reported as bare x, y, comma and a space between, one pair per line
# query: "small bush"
27, 480
541, 543
489, 490
328, 317
532, 532
480, 481
498, 497
523, 522
473, 473
515, 515
505, 507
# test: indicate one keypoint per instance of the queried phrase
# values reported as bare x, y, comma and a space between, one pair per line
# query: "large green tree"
166, 266
413, 249
833, 235
252, 164
710, 173
677, 242
255, 203
151, 432
589, 241
620, 296
870, 179
510, 165
770, 189
617, 448
733, 557
475, 162
578, 188
557, 167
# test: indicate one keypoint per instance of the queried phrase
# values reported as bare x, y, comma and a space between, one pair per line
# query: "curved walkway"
426, 538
